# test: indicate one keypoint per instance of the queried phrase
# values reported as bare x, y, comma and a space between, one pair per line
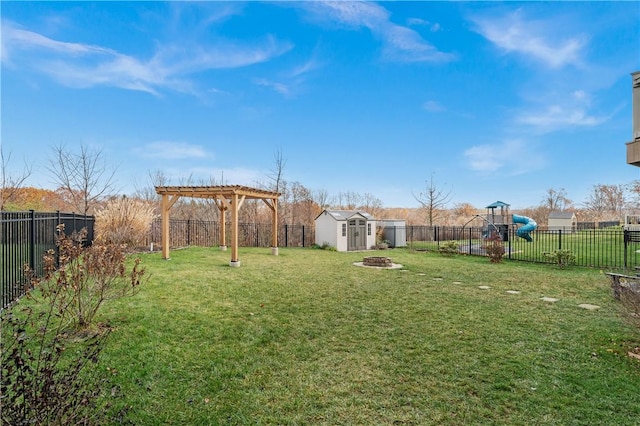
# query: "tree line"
85, 184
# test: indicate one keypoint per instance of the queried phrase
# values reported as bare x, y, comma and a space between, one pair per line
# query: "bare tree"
433, 200
275, 174
371, 204
606, 201
148, 192
556, 200
321, 198
82, 176
10, 184
348, 200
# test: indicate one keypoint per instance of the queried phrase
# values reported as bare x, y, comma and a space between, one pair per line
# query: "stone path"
587, 306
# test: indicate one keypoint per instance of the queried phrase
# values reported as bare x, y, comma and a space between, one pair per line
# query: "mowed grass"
307, 338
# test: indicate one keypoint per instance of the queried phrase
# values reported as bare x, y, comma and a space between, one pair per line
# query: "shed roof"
561, 215
346, 214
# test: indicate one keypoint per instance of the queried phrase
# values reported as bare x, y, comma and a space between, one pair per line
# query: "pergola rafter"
225, 197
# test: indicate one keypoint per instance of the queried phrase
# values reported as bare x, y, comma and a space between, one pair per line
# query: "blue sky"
496, 101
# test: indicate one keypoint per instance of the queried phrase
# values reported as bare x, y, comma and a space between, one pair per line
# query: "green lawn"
307, 338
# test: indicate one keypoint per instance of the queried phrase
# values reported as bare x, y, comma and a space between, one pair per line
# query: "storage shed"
562, 221
394, 231
346, 230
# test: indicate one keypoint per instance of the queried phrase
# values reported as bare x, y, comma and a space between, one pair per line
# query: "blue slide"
529, 226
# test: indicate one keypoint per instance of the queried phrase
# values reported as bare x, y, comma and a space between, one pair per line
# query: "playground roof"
497, 204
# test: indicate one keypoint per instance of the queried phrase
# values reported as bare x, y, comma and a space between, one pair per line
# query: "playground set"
498, 220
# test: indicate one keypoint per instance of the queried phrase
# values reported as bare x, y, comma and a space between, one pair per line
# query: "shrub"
45, 378
381, 245
561, 257
494, 247
47, 348
630, 299
124, 221
78, 280
448, 248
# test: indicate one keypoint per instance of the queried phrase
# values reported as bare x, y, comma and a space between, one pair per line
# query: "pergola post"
167, 203
274, 228
165, 227
223, 206
234, 231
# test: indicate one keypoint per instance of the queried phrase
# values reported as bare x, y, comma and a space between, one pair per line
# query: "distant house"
562, 221
346, 230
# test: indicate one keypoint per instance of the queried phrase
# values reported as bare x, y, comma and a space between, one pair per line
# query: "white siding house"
562, 221
346, 230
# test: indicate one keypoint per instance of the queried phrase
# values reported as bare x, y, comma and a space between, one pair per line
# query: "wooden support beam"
167, 203
274, 227
234, 231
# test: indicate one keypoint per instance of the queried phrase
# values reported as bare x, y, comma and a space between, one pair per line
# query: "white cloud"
281, 88
556, 112
555, 117
509, 158
172, 150
399, 43
82, 65
532, 38
433, 106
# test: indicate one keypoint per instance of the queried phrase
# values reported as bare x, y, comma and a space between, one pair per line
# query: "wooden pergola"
226, 197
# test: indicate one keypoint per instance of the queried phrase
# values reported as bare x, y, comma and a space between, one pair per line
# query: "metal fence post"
302, 235
32, 241
559, 239
625, 239
286, 235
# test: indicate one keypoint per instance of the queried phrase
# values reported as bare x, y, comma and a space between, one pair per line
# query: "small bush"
630, 299
324, 246
78, 280
494, 247
47, 347
381, 245
448, 248
561, 257
124, 221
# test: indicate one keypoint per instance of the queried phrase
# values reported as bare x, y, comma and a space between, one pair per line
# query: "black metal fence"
609, 248
183, 233
24, 238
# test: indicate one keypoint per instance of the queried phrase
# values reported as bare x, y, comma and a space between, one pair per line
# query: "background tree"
556, 200
10, 183
606, 202
433, 200
83, 177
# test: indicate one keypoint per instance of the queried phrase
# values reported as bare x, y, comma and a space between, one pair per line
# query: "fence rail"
24, 238
594, 246
183, 233
27, 235
609, 248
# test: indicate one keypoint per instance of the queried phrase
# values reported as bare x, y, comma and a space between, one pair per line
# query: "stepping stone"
421, 274
484, 287
589, 307
549, 299
457, 282
437, 279
513, 292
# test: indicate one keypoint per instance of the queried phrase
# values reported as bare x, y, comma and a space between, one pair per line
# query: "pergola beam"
226, 197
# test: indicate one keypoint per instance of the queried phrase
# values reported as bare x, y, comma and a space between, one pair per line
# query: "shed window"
344, 229
368, 229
